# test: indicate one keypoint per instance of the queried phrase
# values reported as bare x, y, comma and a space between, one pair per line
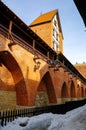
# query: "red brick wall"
18, 75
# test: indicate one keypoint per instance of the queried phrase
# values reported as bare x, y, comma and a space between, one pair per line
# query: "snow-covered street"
73, 120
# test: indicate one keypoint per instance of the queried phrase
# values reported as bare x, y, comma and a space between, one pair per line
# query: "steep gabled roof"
44, 18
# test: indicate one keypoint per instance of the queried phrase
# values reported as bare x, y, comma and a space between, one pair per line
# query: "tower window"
55, 45
55, 22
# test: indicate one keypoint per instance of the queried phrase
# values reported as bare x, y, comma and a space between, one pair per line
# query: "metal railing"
9, 115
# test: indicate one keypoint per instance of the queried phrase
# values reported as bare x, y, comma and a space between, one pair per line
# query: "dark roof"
81, 6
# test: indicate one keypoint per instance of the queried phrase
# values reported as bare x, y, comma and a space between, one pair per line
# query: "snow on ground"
72, 120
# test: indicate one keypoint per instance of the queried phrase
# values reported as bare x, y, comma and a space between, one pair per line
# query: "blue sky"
72, 24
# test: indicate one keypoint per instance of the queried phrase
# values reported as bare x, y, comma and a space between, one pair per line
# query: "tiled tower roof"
44, 18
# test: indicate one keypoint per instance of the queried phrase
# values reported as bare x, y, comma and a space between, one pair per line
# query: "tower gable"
48, 27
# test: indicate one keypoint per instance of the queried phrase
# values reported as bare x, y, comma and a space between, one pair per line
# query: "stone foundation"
41, 99
7, 100
63, 100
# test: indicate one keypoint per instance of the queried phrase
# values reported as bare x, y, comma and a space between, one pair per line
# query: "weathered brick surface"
41, 99
81, 68
2, 43
7, 100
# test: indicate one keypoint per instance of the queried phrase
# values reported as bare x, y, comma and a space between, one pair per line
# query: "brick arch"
82, 92
11, 64
64, 91
72, 90
78, 91
45, 92
85, 92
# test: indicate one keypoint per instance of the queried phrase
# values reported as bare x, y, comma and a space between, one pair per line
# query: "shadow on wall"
20, 87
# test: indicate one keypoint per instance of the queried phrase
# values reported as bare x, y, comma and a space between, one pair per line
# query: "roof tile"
44, 18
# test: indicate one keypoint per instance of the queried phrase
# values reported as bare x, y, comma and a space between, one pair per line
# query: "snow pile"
73, 120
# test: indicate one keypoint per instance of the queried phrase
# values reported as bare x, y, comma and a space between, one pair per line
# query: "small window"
55, 46
53, 32
55, 22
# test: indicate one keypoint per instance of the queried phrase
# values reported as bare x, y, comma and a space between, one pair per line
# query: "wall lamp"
37, 63
37, 66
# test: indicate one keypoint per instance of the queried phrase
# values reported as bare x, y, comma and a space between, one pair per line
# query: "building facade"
81, 68
32, 73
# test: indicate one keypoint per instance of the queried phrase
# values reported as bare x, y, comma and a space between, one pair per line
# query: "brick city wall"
22, 85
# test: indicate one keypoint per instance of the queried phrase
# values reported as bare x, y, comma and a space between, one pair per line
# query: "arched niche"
72, 90
11, 64
64, 91
45, 92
